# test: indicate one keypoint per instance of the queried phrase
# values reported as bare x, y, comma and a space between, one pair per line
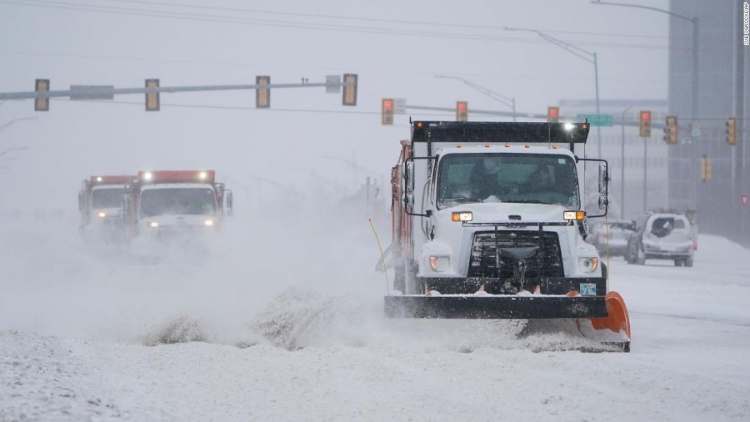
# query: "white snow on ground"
287, 315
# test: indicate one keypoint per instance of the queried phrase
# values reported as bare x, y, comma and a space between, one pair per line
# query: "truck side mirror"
603, 179
230, 202
409, 177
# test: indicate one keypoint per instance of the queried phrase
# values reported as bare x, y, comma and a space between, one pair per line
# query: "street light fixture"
6, 124
507, 101
585, 55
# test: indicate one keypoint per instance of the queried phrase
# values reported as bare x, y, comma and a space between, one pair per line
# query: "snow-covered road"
77, 330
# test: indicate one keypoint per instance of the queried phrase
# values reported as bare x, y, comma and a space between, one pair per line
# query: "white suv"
662, 236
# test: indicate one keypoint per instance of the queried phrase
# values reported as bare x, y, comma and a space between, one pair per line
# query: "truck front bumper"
495, 307
587, 286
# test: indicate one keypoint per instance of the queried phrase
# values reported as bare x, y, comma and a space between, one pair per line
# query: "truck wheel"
688, 262
678, 262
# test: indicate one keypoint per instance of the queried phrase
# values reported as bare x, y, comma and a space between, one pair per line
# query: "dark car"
619, 233
662, 236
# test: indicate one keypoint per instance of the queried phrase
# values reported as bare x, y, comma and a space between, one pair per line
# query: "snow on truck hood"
499, 211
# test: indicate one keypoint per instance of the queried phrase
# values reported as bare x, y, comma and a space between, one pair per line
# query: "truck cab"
167, 206
100, 202
495, 207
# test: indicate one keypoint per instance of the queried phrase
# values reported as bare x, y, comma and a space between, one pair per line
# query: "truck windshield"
107, 198
520, 178
196, 201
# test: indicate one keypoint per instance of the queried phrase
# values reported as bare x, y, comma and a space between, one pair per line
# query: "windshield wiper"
528, 201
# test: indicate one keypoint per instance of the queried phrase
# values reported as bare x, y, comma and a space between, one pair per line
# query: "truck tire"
688, 262
679, 262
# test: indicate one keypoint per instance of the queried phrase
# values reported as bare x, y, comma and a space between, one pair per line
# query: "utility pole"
622, 166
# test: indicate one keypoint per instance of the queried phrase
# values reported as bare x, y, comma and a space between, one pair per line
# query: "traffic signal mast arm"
143, 90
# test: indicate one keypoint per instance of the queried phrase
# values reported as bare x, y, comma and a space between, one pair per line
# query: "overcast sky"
396, 47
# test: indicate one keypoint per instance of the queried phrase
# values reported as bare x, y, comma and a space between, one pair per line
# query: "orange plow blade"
618, 319
612, 330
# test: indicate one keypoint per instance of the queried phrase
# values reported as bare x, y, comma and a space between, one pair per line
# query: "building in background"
724, 91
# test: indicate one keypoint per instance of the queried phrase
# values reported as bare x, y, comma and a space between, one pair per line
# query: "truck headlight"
153, 224
574, 215
588, 265
102, 214
462, 216
209, 223
440, 263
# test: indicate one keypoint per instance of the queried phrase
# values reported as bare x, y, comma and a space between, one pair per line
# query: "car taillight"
695, 246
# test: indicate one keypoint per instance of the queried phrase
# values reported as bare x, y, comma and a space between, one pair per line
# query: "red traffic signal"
386, 112
462, 111
644, 124
553, 114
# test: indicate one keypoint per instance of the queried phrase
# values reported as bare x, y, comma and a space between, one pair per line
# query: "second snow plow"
498, 230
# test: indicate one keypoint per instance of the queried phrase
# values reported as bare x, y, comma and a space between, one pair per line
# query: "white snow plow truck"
100, 203
488, 222
174, 208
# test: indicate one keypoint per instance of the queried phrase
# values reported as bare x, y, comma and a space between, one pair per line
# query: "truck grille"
484, 250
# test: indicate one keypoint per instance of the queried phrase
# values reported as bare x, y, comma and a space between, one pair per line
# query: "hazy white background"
74, 317
77, 139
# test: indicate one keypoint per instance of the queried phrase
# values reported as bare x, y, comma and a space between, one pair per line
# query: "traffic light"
553, 114
153, 103
671, 131
706, 168
644, 125
262, 95
732, 131
462, 111
386, 117
41, 104
350, 92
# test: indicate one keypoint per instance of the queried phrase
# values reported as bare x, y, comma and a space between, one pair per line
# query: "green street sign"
598, 119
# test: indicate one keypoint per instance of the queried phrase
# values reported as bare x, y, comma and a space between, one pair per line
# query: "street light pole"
622, 166
645, 175
585, 55
507, 101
